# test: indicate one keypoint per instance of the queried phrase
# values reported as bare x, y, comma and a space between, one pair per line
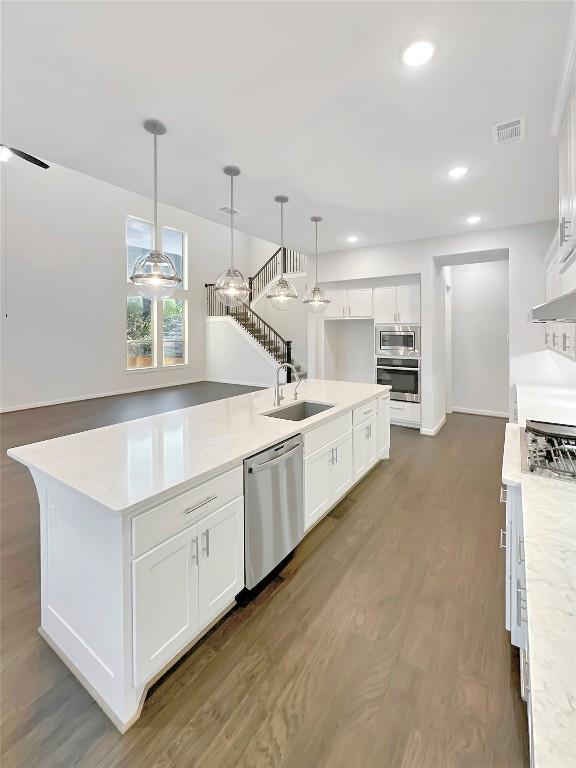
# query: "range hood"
560, 310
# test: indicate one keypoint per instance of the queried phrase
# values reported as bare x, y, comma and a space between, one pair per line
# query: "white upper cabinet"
408, 303
385, 304
354, 302
567, 176
338, 304
360, 302
397, 303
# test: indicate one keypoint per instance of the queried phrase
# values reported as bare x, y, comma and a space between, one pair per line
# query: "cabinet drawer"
405, 412
159, 523
320, 436
364, 412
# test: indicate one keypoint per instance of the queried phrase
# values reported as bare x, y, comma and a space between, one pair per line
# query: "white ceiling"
310, 99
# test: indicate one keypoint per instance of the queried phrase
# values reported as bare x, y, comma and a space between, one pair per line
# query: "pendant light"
281, 293
316, 299
154, 274
231, 287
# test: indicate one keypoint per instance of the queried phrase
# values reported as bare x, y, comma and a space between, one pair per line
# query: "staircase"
276, 346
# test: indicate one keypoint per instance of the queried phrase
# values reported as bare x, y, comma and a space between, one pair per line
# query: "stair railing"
288, 262
256, 326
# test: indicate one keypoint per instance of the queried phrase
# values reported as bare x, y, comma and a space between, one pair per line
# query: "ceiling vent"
228, 211
510, 132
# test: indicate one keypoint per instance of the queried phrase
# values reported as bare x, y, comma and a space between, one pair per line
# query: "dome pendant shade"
282, 294
231, 287
154, 275
316, 299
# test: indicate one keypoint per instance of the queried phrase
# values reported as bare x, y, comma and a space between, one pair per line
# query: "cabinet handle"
503, 495
196, 557
336, 455
518, 604
502, 538
207, 544
564, 223
520, 551
207, 500
399, 317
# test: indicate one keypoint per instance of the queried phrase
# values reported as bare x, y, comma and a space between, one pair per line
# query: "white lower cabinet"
384, 427
328, 474
221, 541
181, 585
365, 445
165, 602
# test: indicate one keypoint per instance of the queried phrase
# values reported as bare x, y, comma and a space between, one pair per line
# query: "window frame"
181, 294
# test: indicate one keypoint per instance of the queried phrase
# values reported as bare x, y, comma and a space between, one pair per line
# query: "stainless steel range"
549, 450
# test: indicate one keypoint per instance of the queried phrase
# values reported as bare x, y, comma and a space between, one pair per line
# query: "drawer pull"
365, 413
520, 551
502, 538
207, 500
518, 604
503, 495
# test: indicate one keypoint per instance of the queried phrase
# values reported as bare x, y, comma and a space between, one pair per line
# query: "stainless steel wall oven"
402, 374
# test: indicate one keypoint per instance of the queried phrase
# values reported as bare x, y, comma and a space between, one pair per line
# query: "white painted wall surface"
480, 373
234, 357
65, 260
349, 350
526, 246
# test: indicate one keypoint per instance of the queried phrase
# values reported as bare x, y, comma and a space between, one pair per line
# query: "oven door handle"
396, 368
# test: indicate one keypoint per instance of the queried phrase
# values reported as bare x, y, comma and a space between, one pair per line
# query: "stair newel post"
251, 291
288, 360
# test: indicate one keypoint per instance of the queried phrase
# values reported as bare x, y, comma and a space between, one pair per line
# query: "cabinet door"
360, 302
567, 163
164, 603
317, 468
221, 567
385, 304
371, 437
359, 450
384, 427
408, 303
341, 467
337, 306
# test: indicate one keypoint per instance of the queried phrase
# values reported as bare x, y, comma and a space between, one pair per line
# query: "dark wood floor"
380, 645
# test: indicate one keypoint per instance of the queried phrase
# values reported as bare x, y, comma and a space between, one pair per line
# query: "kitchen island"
540, 540
142, 524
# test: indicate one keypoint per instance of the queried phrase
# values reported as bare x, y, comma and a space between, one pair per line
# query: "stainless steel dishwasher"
273, 507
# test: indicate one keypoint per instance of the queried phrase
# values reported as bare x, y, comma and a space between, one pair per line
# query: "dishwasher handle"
273, 462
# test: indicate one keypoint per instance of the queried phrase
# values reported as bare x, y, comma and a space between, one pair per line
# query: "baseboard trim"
242, 383
478, 412
434, 431
129, 390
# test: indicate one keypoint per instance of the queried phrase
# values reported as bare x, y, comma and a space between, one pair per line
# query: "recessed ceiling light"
352, 239
5, 154
418, 53
474, 219
458, 172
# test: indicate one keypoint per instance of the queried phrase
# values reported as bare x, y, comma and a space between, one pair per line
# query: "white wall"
480, 338
233, 356
526, 246
65, 263
349, 350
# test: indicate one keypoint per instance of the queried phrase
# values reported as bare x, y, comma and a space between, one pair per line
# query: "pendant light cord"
316, 253
232, 221
281, 240
154, 233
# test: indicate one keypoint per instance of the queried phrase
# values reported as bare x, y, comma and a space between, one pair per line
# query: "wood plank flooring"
380, 645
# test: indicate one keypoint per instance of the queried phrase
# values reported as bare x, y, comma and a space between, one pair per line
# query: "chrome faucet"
278, 396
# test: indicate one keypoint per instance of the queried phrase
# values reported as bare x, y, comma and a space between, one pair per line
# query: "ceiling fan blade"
30, 158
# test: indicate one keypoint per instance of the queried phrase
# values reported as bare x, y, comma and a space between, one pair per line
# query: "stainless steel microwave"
398, 340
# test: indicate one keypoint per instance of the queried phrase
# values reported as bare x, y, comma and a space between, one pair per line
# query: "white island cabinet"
142, 525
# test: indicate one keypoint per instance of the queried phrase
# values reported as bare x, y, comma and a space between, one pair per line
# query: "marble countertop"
126, 466
549, 517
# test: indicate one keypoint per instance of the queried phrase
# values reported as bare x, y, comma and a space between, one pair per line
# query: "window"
159, 325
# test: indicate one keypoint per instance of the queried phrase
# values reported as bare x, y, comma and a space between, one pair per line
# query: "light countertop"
541, 403
549, 517
126, 466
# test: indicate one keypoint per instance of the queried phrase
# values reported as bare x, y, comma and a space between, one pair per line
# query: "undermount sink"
299, 411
